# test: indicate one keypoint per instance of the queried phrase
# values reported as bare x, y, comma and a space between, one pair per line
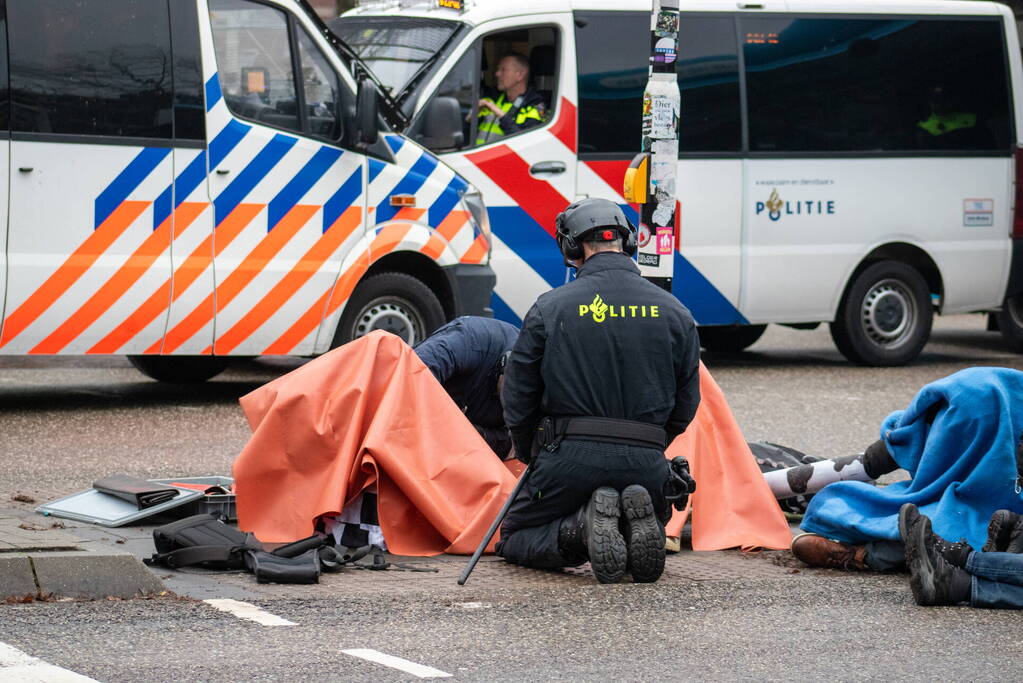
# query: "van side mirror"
367, 113
441, 126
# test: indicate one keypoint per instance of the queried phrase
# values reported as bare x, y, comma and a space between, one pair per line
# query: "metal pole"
661, 114
493, 528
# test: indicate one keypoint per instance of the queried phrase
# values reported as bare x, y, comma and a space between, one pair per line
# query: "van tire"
729, 338
395, 302
1010, 322
885, 316
180, 369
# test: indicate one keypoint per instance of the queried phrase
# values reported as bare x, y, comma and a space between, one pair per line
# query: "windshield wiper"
391, 111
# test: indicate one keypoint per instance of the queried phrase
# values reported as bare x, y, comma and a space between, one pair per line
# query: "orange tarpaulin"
733, 505
371, 412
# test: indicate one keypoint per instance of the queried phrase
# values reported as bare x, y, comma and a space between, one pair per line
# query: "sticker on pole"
665, 240
664, 51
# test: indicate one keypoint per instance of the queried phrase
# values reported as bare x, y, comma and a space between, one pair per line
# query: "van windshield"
398, 50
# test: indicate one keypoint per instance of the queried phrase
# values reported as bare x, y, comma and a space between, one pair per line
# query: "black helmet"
586, 215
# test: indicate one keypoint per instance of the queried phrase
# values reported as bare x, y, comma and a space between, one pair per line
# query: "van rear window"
91, 67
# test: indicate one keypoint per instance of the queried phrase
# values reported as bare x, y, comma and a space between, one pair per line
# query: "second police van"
851, 163
191, 180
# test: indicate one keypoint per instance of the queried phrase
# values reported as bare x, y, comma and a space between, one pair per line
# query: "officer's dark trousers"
561, 482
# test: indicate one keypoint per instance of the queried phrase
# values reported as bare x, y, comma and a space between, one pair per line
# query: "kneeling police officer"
603, 375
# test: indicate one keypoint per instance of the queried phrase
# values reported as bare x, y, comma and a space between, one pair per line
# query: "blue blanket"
958, 440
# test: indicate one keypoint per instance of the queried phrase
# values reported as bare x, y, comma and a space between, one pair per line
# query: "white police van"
844, 162
195, 179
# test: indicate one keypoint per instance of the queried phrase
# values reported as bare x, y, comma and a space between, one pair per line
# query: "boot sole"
646, 537
606, 545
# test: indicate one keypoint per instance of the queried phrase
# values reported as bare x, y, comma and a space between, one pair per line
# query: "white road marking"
17, 666
244, 610
405, 665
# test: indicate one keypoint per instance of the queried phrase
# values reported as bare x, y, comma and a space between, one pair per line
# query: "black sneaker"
604, 542
999, 529
932, 579
644, 535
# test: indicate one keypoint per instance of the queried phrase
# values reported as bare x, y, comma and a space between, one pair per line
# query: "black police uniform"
607, 345
465, 357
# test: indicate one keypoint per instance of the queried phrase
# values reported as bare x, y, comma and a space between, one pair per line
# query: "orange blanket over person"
370, 413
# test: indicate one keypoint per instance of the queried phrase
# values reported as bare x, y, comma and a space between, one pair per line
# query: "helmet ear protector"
571, 247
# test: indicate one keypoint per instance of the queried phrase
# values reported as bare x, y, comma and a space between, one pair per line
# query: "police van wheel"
885, 316
729, 338
395, 302
180, 369
1010, 322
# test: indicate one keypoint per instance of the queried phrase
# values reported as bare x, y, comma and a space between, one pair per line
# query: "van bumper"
471, 286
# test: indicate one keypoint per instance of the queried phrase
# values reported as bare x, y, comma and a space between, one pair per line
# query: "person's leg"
529, 533
997, 580
1001, 567
885, 556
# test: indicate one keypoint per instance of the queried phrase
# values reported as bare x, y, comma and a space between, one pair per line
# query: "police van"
853, 163
191, 180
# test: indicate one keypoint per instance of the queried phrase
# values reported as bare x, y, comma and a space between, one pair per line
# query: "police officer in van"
516, 107
603, 375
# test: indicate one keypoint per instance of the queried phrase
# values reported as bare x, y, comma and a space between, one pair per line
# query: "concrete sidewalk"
46, 557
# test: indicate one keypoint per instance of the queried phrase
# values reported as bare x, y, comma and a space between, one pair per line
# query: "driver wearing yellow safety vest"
518, 106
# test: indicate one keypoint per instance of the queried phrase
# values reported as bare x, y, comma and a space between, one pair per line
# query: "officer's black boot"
644, 535
604, 540
572, 538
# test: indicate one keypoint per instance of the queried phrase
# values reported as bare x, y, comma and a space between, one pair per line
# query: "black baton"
493, 529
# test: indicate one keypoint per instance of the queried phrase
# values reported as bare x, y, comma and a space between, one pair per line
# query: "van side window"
876, 85
462, 85
530, 51
321, 88
260, 49
612, 81
92, 67
5, 88
189, 110
254, 62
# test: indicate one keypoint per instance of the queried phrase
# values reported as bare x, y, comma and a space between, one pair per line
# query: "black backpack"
201, 540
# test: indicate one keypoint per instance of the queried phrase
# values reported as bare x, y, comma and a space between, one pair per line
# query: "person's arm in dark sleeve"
687, 388
535, 115
523, 384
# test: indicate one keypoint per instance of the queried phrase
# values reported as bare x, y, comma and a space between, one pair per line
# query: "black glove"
680, 484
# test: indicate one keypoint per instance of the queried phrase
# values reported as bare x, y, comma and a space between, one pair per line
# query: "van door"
285, 195
88, 239
527, 177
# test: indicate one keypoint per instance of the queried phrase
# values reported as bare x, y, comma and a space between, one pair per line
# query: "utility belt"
553, 430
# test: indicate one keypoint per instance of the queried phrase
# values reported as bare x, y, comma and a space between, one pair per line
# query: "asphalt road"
66, 422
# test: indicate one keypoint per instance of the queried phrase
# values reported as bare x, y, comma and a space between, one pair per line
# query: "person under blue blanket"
960, 441
467, 357
944, 573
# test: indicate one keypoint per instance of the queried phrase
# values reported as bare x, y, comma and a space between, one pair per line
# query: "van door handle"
26, 169
223, 171
547, 167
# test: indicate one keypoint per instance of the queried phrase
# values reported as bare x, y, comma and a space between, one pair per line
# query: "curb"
81, 574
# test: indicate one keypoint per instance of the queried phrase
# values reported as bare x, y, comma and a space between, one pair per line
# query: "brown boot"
818, 551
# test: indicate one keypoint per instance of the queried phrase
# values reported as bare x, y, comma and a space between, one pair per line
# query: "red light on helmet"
608, 235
